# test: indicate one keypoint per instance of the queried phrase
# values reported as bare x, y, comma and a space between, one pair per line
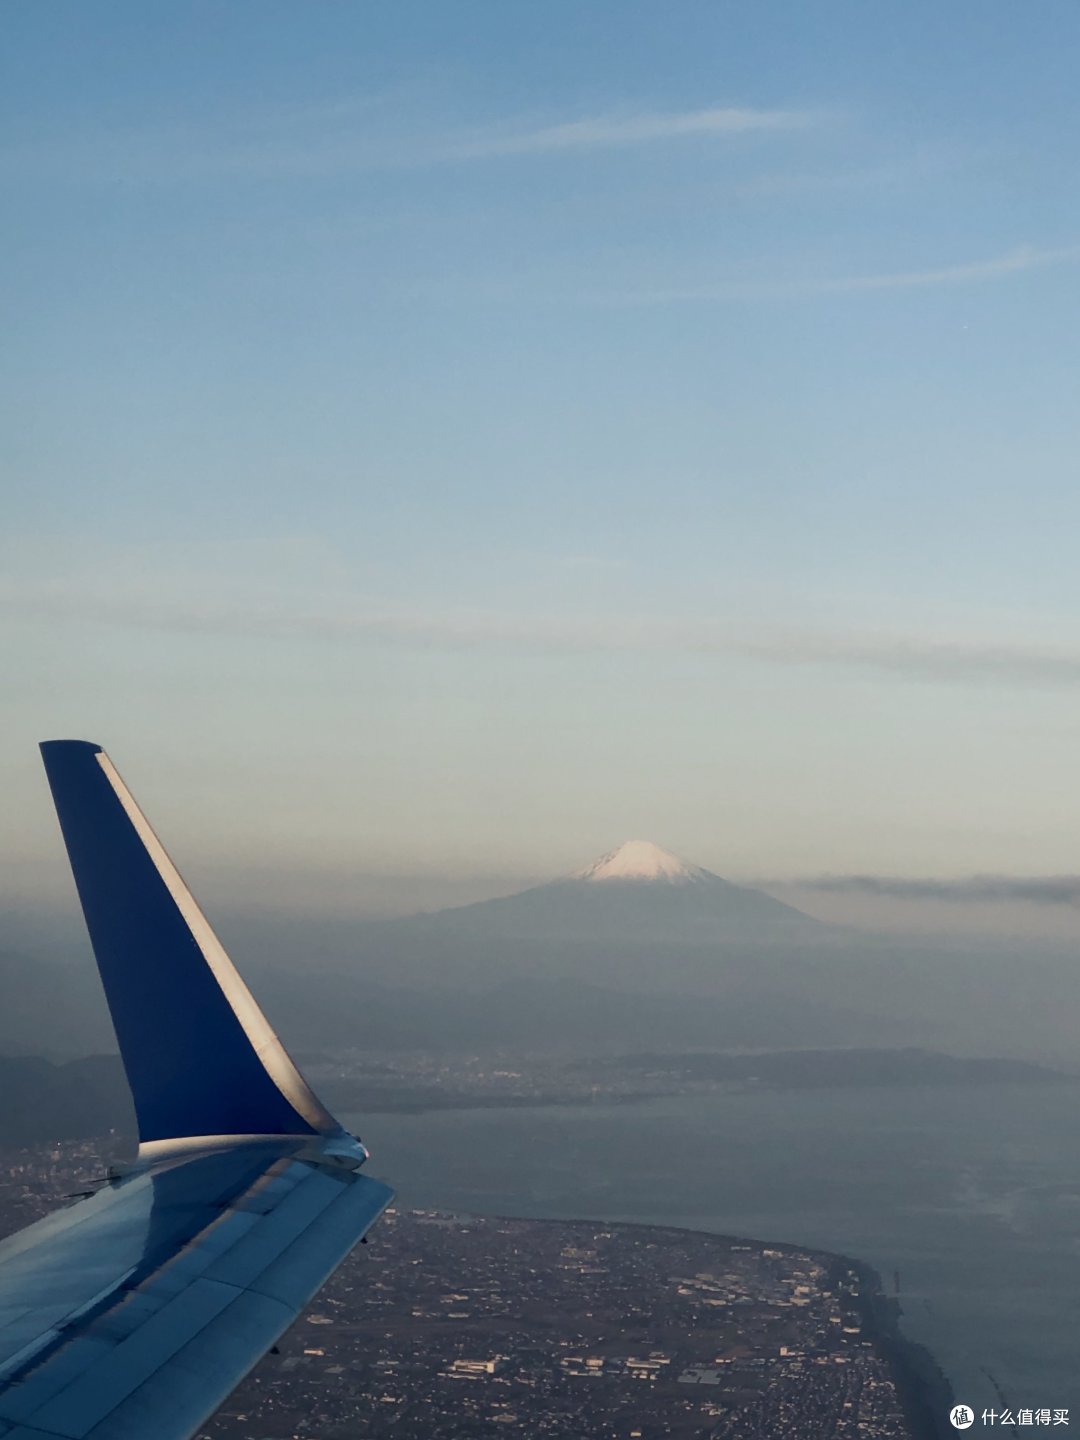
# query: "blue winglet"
200, 1056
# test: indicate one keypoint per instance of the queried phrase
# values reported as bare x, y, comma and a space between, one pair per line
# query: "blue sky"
444, 441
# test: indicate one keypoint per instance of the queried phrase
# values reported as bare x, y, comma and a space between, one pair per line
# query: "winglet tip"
54, 747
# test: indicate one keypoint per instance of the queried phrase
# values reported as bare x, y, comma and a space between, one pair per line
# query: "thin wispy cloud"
601, 132
1054, 890
1025, 257
334, 139
1013, 262
341, 619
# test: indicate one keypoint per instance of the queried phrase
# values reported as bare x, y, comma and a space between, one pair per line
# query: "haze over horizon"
438, 448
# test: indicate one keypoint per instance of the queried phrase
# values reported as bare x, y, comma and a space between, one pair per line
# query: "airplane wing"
134, 1313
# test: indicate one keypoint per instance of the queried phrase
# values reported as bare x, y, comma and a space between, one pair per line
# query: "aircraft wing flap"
216, 1283
264, 1242
285, 1278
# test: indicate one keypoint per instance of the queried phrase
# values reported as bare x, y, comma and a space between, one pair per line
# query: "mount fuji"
633, 894
637, 946
638, 919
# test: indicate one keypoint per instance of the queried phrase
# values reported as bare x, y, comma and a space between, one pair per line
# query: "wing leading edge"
135, 1312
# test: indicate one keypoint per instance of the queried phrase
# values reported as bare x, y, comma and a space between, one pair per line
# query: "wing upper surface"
135, 1312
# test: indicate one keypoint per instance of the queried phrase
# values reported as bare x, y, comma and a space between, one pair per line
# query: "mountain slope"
636, 893
638, 919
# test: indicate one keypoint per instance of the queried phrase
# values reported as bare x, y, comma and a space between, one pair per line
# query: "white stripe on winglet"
275, 1058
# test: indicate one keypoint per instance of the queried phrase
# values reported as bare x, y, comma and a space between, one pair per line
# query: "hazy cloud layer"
932, 658
343, 620
1026, 889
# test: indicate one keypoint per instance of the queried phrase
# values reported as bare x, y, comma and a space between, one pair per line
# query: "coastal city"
469, 1326
413, 1081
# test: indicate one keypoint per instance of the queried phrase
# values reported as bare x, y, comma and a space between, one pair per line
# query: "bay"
970, 1192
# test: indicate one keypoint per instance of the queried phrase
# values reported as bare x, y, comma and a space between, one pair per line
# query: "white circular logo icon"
962, 1416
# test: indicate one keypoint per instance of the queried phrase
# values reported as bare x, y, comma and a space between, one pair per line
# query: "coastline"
924, 1390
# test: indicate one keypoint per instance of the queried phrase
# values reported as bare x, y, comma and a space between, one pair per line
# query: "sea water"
968, 1195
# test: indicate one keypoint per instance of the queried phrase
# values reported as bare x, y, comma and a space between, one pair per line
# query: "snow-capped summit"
641, 860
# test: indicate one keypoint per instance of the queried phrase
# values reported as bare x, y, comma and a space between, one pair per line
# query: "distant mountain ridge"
637, 950
46, 1102
87, 1098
